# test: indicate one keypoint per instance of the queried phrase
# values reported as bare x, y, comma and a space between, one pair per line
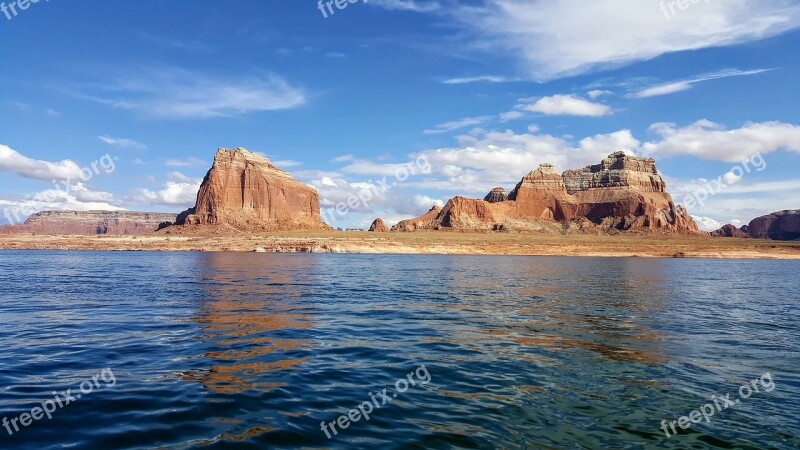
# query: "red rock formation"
620, 193
423, 222
729, 231
245, 191
779, 226
92, 223
378, 226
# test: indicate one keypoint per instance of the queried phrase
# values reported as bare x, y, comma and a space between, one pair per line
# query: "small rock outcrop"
425, 221
87, 223
622, 193
378, 226
730, 231
245, 191
496, 195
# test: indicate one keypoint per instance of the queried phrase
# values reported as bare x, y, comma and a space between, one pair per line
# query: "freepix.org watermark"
379, 400
364, 197
13, 9
720, 404
326, 7
668, 7
60, 400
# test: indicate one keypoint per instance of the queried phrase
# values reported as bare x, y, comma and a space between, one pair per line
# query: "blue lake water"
244, 351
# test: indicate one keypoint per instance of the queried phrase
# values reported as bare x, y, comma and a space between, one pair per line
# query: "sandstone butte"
622, 193
378, 226
117, 223
245, 191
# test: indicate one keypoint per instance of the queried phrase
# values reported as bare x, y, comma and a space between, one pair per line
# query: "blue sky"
482, 91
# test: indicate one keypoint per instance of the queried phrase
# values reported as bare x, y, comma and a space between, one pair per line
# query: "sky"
388, 107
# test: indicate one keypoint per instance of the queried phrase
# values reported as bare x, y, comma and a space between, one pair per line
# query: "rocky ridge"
622, 193
89, 223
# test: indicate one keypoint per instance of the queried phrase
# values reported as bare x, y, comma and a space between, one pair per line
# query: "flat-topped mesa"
621, 193
496, 195
617, 171
246, 191
87, 223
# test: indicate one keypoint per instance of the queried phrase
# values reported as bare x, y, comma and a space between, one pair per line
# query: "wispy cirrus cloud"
480, 79
121, 142
559, 38
186, 162
684, 85
458, 124
408, 5
175, 93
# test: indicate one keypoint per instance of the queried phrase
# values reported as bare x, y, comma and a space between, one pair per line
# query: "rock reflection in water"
251, 323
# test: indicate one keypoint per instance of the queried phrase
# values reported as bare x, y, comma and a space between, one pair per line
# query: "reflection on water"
255, 350
248, 316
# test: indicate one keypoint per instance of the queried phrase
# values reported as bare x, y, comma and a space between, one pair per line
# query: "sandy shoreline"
430, 243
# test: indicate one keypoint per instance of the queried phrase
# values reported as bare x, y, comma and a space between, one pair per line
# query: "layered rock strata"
621, 193
246, 191
92, 223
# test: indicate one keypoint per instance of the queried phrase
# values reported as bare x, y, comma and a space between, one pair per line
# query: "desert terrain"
421, 242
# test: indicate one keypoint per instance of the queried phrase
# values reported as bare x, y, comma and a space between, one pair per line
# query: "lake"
217, 350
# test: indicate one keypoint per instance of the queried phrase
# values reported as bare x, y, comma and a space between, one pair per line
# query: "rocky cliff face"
378, 226
621, 193
246, 191
779, 226
92, 223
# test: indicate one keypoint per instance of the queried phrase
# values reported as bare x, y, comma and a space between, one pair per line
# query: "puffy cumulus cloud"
15, 162
557, 38
708, 140
567, 105
179, 191
707, 223
347, 203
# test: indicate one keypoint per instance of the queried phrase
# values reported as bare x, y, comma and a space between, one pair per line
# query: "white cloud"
187, 162
121, 142
597, 93
479, 79
685, 85
557, 38
173, 93
458, 124
181, 192
407, 5
707, 223
567, 105
15, 162
708, 140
